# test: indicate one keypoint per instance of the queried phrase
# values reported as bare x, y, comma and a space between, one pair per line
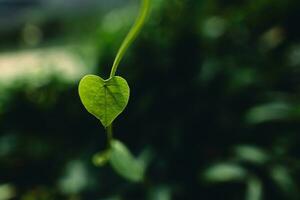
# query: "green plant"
244, 167
106, 99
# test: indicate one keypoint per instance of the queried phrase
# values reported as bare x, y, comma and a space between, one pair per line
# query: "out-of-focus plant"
106, 99
246, 166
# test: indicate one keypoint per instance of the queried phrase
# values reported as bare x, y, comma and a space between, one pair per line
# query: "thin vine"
106, 99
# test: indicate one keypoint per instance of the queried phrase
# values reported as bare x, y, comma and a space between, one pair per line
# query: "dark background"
214, 99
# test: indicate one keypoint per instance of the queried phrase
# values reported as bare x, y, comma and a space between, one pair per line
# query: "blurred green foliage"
214, 107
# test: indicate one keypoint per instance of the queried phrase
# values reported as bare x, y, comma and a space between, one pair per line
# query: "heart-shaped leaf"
105, 99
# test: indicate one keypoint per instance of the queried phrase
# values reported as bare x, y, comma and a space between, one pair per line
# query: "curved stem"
134, 31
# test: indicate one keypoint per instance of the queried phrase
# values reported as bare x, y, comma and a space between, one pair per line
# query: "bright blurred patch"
7, 192
37, 67
251, 154
75, 179
224, 172
268, 112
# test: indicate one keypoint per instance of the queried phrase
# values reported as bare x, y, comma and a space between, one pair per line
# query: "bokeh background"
215, 100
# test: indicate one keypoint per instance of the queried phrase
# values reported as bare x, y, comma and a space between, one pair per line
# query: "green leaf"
254, 189
101, 158
273, 111
224, 172
251, 154
124, 163
160, 192
283, 178
105, 99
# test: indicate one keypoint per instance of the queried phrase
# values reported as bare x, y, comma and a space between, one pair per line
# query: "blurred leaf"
75, 178
214, 27
159, 193
284, 180
268, 112
124, 163
254, 189
272, 38
251, 154
7, 192
224, 172
105, 99
101, 158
